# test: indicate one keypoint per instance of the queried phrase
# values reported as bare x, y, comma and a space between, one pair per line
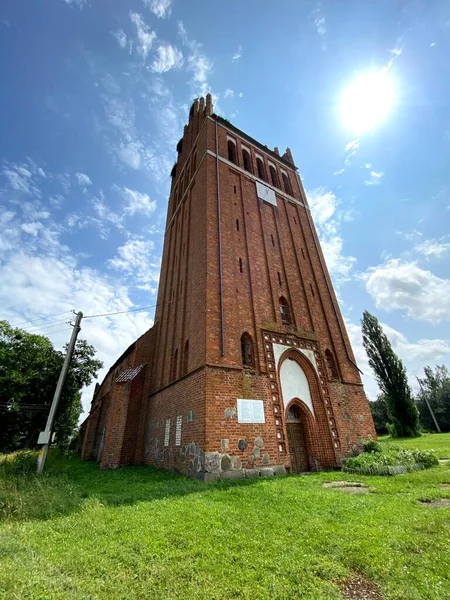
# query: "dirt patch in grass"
359, 588
351, 487
446, 486
438, 503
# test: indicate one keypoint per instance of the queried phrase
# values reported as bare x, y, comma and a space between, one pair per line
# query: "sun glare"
367, 101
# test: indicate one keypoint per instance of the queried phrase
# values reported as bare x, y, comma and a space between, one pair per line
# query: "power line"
28, 323
39, 328
120, 312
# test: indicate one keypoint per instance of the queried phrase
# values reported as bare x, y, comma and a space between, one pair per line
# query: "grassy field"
440, 443
81, 534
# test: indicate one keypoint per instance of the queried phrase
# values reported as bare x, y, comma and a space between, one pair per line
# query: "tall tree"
434, 387
391, 377
380, 414
29, 371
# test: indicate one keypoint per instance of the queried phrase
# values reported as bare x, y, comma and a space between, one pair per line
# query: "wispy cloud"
352, 146
238, 54
83, 179
24, 177
78, 3
375, 178
137, 202
145, 36
120, 37
167, 57
327, 217
434, 248
197, 62
161, 8
229, 93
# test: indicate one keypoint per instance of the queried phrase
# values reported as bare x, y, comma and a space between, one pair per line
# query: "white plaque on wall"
250, 411
266, 193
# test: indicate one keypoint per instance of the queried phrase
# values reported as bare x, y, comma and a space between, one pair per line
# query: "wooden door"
297, 447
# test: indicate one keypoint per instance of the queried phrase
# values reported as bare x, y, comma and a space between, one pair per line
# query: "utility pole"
45, 436
432, 414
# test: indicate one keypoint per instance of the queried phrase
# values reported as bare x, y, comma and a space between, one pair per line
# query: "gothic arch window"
247, 350
273, 176
175, 365
294, 414
285, 312
232, 152
246, 160
331, 365
186, 357
261, 169
286, 184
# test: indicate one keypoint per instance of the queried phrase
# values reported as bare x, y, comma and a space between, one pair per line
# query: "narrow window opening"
247, 350
295, 220
273, 241
231, 152
312, 289
285, 312
287, 184
234, 189
279, 278
175, 365
240, 265
237, 224
261, 170
331, 365
273, 176
186, 357
303, 253
247, 161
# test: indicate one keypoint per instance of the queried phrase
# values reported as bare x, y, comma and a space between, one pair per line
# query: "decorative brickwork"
246, 311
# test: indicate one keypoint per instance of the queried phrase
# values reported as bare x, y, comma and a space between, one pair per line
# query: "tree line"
29, 371
397, 410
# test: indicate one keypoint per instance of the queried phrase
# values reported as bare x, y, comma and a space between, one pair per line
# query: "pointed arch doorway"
296, 434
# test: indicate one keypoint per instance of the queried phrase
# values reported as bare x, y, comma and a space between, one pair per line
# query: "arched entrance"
296, 434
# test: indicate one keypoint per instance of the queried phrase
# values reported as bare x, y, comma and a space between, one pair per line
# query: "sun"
367, 101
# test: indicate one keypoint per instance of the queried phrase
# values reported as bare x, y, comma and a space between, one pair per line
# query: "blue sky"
94, 97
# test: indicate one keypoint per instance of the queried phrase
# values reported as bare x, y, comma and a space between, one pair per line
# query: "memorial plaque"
250, 411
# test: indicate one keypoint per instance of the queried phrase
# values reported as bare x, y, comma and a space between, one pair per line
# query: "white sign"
266, 193
250, 411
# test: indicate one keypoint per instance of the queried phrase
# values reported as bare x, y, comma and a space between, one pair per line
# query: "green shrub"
391, 460
22, 462
371, 445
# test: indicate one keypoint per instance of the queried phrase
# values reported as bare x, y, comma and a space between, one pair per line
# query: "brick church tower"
248, 369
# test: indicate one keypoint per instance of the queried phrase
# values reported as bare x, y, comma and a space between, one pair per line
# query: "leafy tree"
434, 387
29, 371
380, 414
392, 379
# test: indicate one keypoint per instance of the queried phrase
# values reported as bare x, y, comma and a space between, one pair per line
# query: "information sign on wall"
250, 411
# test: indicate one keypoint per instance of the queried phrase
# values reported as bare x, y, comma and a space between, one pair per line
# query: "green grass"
440, 442
79, 533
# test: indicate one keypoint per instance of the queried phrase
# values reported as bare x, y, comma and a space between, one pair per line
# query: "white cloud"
136, 260
79, 3
104, 213
237, 55
240, 94
161, 8
229, 93
137, 202
339, 172
351, 146
433, 248
197, 62
414, 354
83, 179
145, 36
324, 208
375, 178
319, 22
167, 57
120, 37
401, 285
